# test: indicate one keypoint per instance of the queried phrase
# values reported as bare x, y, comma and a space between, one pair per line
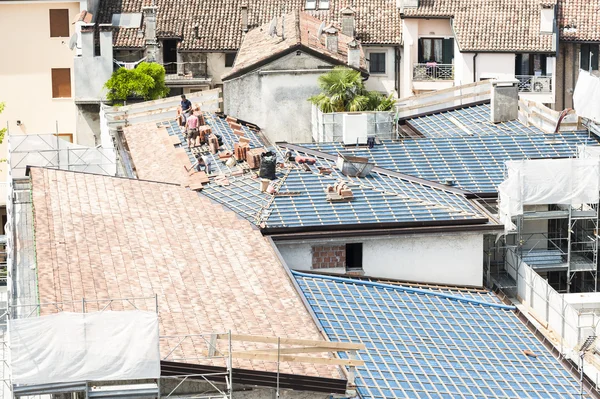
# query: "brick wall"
327, 256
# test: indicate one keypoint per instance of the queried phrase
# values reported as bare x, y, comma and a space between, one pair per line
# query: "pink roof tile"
579, 20
101, 237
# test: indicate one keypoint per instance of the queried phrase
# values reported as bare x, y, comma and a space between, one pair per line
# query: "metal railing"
534, 84
433, 71
185, 70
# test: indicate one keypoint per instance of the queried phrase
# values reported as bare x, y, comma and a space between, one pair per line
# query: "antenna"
320, 31
273, 27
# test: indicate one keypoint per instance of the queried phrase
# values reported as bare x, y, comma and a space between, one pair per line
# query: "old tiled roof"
219, 22
499, 25
100, 237
300, 29
579, 20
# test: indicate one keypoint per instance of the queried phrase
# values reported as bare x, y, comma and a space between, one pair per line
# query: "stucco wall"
487, 65
383, 82
216, 67
28, 54
453, 258
275, 97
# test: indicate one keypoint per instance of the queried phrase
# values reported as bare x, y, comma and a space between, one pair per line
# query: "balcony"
182, 73
534, 84
433, 71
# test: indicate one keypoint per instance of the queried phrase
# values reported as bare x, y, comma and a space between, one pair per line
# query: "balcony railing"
534, 84
185, 70
433, 71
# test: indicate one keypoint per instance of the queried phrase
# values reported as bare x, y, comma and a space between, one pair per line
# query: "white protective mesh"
545, 182
74, 347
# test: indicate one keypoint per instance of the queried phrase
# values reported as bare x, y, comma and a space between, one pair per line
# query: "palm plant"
343, 90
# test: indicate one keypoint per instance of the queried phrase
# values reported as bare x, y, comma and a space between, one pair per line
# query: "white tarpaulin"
588, 151
586, 97
72, 347
545, 182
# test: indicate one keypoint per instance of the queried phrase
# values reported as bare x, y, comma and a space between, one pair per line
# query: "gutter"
321, 235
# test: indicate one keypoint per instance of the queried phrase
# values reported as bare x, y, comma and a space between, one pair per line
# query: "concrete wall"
452, 258
383, 82
92, 72
275, 97
88, 124
28, 54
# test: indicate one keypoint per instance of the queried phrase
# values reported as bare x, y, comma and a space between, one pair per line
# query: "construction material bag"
268, 163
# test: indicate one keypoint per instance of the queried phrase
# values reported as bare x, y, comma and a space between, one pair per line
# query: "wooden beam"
295, 359
341, 346
289, 350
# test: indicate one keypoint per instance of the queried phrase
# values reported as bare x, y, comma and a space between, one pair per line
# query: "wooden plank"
443, 91
288, 351
291, 341
445, 101
167, 100
296, 359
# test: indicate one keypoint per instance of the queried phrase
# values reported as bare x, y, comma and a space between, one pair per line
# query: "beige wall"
216, 66
29, 54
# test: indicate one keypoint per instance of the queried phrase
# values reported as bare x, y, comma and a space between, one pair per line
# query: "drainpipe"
475, 67
397, 71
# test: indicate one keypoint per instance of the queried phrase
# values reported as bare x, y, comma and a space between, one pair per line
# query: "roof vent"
354, 166
450, 182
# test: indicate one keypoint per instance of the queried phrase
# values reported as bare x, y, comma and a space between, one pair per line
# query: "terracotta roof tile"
103, 237
300, 29
219, 22
499, 25
579, 20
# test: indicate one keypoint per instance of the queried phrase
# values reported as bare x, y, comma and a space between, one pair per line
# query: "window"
316, 4
61, 83
65, 136
377, 62
229, 59
354, 255
588, 57
59, 23
436, 50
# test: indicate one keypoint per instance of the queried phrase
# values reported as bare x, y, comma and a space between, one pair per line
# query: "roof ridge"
405, 289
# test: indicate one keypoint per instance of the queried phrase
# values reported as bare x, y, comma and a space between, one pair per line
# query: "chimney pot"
244, 9
504, 100
331, 39
348, 22
354, 54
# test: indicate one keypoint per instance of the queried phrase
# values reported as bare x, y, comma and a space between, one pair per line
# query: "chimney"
106, 41
331, 39
504, 100
87, 40
402, 4
244, 17
348, 21
547, 20
354, 54
150, 33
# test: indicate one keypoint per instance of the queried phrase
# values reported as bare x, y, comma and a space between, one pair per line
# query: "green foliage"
2, 130
343, 90
147, 81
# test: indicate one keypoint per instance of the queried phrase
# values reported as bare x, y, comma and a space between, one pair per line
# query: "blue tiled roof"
378, 198
221, 127
476, 163
467, 121
422, 344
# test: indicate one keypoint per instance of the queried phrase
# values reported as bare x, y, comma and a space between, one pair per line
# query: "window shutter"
448, 51
59, 23
584, 54
61, 83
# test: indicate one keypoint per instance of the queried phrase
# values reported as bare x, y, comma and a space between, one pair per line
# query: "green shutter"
448, 51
